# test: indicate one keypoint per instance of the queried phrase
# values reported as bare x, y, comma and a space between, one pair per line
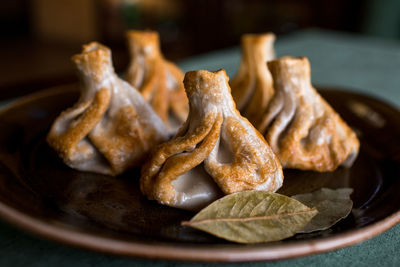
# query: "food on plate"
252, 86
111, 127
215, 150
300, 126
158, 80
253, 216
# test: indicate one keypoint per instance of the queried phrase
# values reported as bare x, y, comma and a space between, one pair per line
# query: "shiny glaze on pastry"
216, 146
111, 127
158, 80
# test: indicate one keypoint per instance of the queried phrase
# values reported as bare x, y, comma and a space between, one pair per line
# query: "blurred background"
40, 36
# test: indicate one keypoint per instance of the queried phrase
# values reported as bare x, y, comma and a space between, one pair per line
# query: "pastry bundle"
299, 125
215, 145
252, 87
158, 80
111, 128
116, 125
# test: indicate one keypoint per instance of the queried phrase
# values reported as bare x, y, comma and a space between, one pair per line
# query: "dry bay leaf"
253, 217
332, 206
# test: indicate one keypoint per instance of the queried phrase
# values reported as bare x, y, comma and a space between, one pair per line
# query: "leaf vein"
256, 218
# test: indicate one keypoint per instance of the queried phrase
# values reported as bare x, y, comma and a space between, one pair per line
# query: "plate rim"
185, 252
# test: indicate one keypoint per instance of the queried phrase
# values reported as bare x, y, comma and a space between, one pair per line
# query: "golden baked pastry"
252, 86
215, 144
159, 81
111, 127
300, 126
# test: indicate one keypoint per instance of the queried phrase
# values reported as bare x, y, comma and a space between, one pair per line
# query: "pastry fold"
300, 126
158, 80
215, 148
252, 86
111, 127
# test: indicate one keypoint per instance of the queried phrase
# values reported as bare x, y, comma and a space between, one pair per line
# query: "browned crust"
238, 175
66, 143
94, 59
178, 100
206, 83
152, 76
216, 119
169, 162
252, 86
295, 148
124, 143
105, 134
139, 39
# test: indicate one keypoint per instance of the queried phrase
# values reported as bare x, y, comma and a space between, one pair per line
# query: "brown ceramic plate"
42, 195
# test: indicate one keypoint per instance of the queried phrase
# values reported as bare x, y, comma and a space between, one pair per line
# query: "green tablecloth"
361, 64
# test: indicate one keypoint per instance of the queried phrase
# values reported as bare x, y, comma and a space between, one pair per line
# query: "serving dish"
42, 195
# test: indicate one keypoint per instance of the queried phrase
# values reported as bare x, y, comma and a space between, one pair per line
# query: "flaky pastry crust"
300, 126
111, 127
159, 80
216, 138
252, 86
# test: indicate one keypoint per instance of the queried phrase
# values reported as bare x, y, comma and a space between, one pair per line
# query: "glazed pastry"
111, 127
215, 146
252, 86
300, 126
159, 81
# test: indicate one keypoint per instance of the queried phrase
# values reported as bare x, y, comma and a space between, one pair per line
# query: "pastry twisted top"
216, 139
158, 80
252, 86
301, 127
111, 127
